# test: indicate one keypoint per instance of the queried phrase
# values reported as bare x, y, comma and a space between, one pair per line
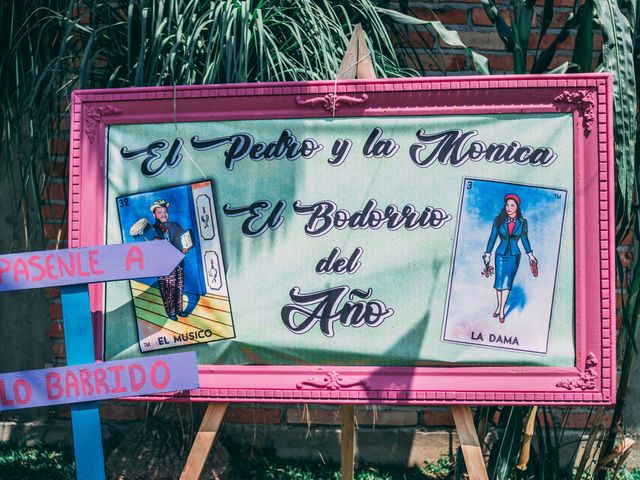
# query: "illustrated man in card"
507, 307
191, 304
510, 227
172, 285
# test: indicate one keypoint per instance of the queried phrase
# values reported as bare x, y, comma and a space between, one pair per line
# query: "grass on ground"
18, 461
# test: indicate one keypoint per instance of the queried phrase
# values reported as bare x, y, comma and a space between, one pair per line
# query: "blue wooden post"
85, 418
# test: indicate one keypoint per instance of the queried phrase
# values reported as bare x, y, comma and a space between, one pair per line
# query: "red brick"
65, 123
120, 411
82, 15
55, 311
597, 41
56, 330
454, 63
58, 350
64, 104
419, 39
619, 297
448, 16
56, 191
314, 416
52, 231
59, 146
457, 1
556, 3
252, 415
626, 258
482, 40
55, 244
435, 417
558, 60
480, 17
100, 62
500, 63
504, 62
54, 212
595, 62
625, 281
542, 416
559, 19
396, 418
52, 292
627, 239
568, 44
579, 420
437, 63
58, 168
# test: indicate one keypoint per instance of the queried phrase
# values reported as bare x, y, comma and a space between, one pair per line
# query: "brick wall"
55, 230
476, 31
469, 19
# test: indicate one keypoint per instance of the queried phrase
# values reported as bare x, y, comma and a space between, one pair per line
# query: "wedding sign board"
383, 241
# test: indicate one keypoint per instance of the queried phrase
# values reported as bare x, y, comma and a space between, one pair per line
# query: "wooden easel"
356, 63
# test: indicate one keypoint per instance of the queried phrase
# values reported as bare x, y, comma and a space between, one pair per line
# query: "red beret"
512, 196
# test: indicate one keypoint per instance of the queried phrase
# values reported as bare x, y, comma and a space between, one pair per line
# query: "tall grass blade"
504, 31
617, 57
450, 37
51, 47
504, 453
583, 52
544, 59
587, 455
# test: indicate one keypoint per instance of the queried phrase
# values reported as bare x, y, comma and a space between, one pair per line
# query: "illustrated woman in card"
510, 226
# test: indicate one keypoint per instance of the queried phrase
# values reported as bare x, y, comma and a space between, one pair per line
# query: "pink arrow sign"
98, 381
20, 271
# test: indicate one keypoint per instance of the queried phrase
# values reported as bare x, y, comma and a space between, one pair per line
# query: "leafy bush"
21, 462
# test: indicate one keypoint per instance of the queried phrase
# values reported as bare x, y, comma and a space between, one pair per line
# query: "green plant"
264, 464
21, 462
440, 469
516, 36
618, 22
54, 46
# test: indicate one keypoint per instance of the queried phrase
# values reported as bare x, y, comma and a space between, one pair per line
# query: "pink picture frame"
588, 97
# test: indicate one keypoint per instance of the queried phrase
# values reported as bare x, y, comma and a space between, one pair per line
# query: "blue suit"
507, 257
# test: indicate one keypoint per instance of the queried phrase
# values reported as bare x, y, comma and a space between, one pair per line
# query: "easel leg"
209, 428
348, 441
356, 63
469, 442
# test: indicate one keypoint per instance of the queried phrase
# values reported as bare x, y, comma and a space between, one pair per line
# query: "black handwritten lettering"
242, 145
375, 146
450, 149
150, 165
255, 212
340, 150
326, 312
336, 264
325, 215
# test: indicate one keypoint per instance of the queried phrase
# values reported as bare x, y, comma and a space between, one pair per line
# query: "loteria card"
503, 272
191, 304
